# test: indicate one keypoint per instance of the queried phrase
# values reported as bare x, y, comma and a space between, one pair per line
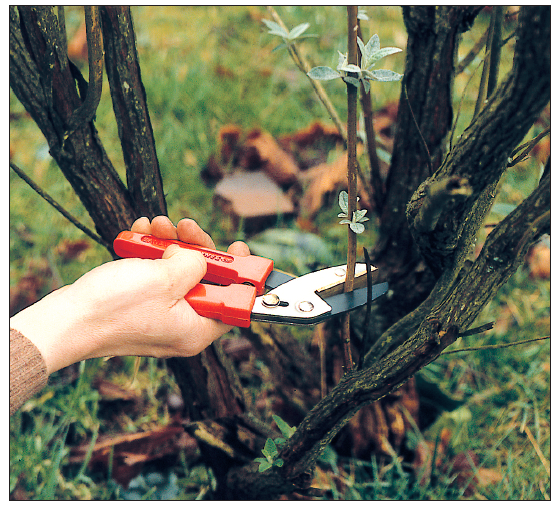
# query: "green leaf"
264, 466
381, 53
359, 216
345, 221
298, 30
362, 14
383, 75
343, 201
352, 81
280, 46
366, 85
286, 430
275, 29
342, 59
362, 48
357, 227
372, 46
278, 462
270, 449
324, 73
350, 68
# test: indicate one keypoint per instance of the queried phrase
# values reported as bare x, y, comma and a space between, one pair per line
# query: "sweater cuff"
28, 371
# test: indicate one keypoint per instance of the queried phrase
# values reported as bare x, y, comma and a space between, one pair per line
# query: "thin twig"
477, 329
478, 46
527, 148
304, 66
352, 92
86, 112
58, 207
495, 346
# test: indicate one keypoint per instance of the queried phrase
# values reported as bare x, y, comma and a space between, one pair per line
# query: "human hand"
128, 306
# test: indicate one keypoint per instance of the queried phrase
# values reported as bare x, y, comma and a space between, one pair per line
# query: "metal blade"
345, 302
338, 304
277, 278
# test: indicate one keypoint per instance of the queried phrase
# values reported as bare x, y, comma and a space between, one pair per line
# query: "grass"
204, 67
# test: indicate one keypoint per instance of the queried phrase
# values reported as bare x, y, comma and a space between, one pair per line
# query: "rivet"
340, 272
305, 306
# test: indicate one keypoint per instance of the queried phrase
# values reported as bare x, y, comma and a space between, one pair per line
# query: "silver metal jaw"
299, 301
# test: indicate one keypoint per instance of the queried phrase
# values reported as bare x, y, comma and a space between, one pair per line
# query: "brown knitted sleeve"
28, 372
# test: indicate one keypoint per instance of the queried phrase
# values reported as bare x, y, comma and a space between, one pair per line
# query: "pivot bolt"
270, 300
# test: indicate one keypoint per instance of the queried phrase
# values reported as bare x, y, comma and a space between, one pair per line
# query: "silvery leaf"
298, 30
323, 73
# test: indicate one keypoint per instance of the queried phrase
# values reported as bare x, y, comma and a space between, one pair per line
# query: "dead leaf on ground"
113, 392
32, 286
71, 249
323, 181
262, 151
539, 261
77, 46
131, 452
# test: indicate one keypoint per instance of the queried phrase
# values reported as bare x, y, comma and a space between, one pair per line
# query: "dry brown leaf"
316, 132
111, 391
261, 151
71, 249
322, 179
31, 286
539, 261
132, 451
77, 47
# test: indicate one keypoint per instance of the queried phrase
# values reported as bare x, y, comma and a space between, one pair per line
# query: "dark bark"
424, 117
481, 154
41, 78
131, 112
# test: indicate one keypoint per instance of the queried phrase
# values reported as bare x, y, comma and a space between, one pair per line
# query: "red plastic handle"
223, 268
230, 304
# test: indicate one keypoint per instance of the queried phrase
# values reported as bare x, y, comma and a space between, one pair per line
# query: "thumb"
185, 269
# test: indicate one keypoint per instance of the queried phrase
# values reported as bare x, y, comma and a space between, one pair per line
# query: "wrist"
59, 327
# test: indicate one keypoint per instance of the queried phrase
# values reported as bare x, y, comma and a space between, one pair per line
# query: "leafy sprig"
270, 450
358, 217
371, 53
288, 37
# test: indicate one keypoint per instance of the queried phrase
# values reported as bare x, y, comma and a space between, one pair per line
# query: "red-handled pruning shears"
236, 293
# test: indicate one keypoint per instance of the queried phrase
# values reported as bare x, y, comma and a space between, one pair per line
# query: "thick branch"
504, 250
458, 302
45, 86
482, 152
433, 35
131, 112
437, 196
